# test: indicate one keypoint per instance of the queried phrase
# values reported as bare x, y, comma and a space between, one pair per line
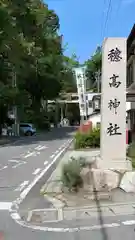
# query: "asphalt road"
9, 230
23, 161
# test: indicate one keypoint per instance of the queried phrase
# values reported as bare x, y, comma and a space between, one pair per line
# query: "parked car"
27, 129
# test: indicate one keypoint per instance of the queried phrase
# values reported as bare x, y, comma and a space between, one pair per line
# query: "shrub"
89, 139
71, 177
131, 153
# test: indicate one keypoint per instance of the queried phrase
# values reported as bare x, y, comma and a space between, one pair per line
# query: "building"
131, 80
72, 98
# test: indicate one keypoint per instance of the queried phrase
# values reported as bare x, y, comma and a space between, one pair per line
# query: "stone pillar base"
124, 165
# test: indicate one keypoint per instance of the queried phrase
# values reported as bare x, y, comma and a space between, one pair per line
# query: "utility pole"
16, 126
98, 80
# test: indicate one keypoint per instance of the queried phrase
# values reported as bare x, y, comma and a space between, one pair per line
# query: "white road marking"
131, 222
45, 162
36, 148
51, 229
15, 216
29, 154
60, 148
18, 164
16, 161
3, 168
37, 178
22, 186
5, 205
42, 147
52, 156
37, 153
56, 151
36, 171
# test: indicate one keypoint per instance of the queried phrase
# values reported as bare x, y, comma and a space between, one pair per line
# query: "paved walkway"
83, 215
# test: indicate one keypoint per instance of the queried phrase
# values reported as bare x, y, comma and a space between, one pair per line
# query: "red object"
84, 128
126, 136
1, 236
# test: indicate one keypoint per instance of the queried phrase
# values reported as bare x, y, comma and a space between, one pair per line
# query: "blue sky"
82, 22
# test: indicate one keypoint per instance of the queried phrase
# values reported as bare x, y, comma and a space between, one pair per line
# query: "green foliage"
68, 77
90, 139
93, 67
31, 55
131, 153
71, 177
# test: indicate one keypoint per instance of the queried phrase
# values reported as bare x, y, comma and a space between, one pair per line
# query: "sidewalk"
78, 207
72, 216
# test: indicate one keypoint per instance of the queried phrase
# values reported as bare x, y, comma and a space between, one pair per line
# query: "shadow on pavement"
53, 134
100, 217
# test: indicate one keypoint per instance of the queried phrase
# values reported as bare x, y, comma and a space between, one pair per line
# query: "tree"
30, 53
93, 69
68, 77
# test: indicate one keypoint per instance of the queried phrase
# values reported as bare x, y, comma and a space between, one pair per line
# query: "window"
90, 104
98, 125
74, 98
129, 74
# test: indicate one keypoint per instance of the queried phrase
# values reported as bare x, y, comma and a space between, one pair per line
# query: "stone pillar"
113, 104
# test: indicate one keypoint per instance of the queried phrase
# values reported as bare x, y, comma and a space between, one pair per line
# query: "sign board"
113, 100
81, 88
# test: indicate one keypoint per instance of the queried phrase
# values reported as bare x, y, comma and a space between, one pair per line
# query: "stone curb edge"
60, 210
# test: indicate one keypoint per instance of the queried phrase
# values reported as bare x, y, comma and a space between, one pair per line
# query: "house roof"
131, 42
131, 36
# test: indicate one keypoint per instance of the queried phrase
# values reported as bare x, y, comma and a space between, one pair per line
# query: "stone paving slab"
43, 215
56, 215
86, 213
123, 210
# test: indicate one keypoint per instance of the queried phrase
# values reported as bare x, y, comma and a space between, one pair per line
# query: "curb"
61, 210
11, 142
60, 229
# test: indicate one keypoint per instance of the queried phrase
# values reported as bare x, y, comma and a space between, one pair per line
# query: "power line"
102, 20
107, 16
119, 6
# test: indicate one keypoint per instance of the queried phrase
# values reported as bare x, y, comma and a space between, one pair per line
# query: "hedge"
90, 139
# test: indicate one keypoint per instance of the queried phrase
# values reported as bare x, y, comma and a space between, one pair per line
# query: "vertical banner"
113, 101
81, 88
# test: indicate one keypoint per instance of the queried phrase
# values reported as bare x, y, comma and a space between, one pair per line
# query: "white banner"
81, 88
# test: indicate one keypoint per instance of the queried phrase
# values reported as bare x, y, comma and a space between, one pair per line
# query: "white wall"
89, 98
96, 118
